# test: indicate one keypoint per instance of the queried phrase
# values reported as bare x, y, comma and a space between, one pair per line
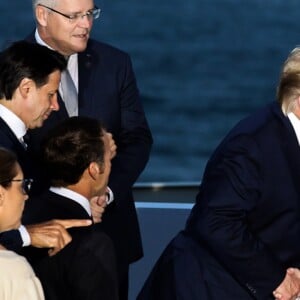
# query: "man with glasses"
29, 79
102, 86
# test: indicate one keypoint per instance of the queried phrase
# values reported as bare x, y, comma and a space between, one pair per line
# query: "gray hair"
49, 3
288, 89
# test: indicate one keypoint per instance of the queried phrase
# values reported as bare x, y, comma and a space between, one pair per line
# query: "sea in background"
201, 65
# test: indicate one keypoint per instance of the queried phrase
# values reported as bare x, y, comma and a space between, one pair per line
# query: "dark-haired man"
29, 79
77, 155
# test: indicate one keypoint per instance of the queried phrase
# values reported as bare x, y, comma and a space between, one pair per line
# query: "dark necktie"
26, 140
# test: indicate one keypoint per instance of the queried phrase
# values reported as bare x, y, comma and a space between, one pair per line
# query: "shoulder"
7, 137
18, 265
252, 134
261, 122
100, 49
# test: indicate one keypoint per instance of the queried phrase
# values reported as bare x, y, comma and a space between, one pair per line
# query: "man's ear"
41, 15
2, 195
25, 86
298, 101
94, 170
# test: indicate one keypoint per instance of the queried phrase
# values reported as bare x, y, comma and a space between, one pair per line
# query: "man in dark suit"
29, 78
106, 89
243, 232
77, 155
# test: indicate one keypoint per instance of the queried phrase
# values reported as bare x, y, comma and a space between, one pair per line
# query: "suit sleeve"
231, 189
134, 140
11, 240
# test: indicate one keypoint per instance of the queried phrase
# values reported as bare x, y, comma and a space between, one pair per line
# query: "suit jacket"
12, 239
108, 91
85, 268
245, 224
27, 162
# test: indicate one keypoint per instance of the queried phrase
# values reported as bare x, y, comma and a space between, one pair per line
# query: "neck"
9, 104
296, 112
45, 39
82, 189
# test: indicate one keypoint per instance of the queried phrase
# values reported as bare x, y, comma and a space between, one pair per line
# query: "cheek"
16, 208
45, 103
20, 206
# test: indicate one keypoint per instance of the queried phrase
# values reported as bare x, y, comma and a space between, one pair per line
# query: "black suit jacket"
243, 232
85, 268
108, 91
28, 163
12, 240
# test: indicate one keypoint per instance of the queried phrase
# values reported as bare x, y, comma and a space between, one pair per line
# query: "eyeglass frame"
91, 14
26, 184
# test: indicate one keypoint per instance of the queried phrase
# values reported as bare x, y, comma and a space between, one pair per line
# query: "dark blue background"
201, 66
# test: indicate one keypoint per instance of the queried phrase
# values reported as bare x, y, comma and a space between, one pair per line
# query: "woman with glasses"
17, 279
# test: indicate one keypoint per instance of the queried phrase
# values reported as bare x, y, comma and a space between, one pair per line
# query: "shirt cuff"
25, 236
109, 196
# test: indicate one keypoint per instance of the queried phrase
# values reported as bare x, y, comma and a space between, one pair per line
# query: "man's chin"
80, 46
36, 125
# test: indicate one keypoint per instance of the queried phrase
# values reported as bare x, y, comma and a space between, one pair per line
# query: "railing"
162, 210
166, 192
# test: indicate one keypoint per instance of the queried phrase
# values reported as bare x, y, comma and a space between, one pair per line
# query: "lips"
46, 116
84, 35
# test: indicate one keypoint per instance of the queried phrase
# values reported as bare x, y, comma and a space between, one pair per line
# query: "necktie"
25, 140
69, 93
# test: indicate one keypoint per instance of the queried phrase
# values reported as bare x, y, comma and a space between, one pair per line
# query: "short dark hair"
8, 164
70, 147
27, 60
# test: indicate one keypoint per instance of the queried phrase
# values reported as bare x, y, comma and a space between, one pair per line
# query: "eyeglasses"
26, 184
73, 18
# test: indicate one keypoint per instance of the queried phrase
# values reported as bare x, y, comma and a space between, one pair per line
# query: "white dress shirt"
72, 62
296, 124
16, 125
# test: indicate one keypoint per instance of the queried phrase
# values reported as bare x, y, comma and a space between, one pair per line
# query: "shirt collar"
72, 60
39, 39
13, 122
296, 124
81, 200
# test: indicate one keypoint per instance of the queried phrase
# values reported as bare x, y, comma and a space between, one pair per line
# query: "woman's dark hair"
8, 170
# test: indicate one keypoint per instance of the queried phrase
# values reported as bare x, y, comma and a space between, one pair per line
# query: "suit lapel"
18, 148
87, 62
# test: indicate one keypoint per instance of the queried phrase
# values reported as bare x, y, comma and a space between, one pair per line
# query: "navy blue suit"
108, 91
84, 269
243, 232
28, 163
